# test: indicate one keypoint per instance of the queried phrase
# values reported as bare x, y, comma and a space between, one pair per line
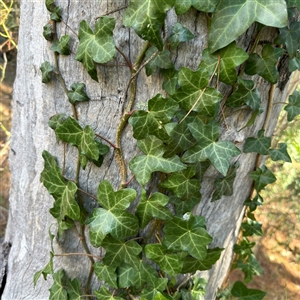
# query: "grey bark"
34, 103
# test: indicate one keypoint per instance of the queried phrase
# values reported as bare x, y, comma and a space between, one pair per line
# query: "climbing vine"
178, 138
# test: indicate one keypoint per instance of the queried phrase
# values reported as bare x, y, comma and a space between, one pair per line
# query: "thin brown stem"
129, 64
106, 140
69, 27
112, 11
88, 194
78, 254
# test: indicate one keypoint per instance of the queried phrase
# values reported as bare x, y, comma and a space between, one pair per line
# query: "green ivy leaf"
191, 264
112, 217
293, 3
250, 267
183, 206
182, 184
169, 262
293, 108
106, 273
261, 144
74, 292
171, 80
161, 60
265, 65
154, 287
290, 37
232, 19
160, 111
143, 165
228, 58
179, 34
48, 269
251, 227
280, 153
47, 71
186, 235
152, 207
57, 290
240, 291
194, 93
224, 186
218, 152
262, 177
183, 6
96, 47
62, 46
48, 32
146, 17
77, 93
294, 64
104, 294
244, 248
252, 204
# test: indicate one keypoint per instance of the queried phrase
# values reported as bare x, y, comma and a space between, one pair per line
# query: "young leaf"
47, 71
104, 294
112, 217
280, 153
146, 17
179, 35
240, 291
183, 6
160, 111
218, 152
250, 267
77, 93
57, 290
244, 248
48, 32
186, 235
265, 65
96, 47
232, 19
106, 273
48, 269
262, 177
143, 165
62, 46
293, 108
251, 227
261, 144
152, 207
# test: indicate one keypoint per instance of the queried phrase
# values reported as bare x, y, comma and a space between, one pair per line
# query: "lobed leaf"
104, 294
47, 71
280, 153
106, 273
183, 6
57, 290
62, 46
179, 34
77, 93
240, 291
262, 177
261, 144
293, 108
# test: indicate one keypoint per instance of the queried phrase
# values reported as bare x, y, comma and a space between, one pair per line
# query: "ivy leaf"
265, 66
182, 184
48, 269
74, 289
252, 204
183, 206
154, 287
293, 108
194, 93
171, 80
224, 186
262, 177
232, 19
186, 235
160, 111
191, 264
280, 153
96, 47
169, 262
290, 37
179, 35
104, 294
229, 58
48, 32
143, 165
152, 207
240, 291
62, 46
218, 152
57, 290
106, 273
244, 248
77, 93
250, 267
183, 6
112, 217
251, 227
146, 17
261, 144
47, 71
161, 60
55, 11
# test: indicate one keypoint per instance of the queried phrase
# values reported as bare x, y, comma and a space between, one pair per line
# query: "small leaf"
240, 291
74, 291
104, 294
293, 108
96, 47
48, 269
55, 15
250, 267
251, 227
48, 32
77, 93
244, 248
57, 290
280, 153
183, 206
261, 144
179, 35
262, 177
62, 46
171, 80
47, 71
106, 273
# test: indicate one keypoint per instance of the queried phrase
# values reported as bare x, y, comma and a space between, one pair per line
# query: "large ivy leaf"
118, 252
106, 273
168, 261
112, 217
146, 17
280, 153
262, 177
186, 235
96, 47
261, 144
182, 184
57, 290
77, 93
62, 46
183, 6
293, 108
104, 294
290, 37
143, 165
160, 111
195, 94
47, 71
179, 34
233, 18
265, 65
228, 58
74, 291
152, 207
218, 152
240, 291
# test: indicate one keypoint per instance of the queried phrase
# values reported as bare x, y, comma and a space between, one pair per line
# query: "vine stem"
78, 254
112, 11
106, 140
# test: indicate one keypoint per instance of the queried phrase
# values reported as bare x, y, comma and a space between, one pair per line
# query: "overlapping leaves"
183, 6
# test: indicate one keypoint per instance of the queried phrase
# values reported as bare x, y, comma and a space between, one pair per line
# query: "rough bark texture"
34, 103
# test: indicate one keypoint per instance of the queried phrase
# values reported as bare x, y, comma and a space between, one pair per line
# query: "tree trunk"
34, 103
